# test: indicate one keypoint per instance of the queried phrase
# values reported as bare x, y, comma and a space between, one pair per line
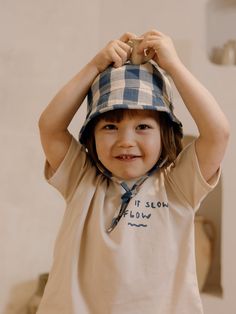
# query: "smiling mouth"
127, 157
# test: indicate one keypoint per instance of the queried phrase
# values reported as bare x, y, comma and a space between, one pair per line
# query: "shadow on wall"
19, 297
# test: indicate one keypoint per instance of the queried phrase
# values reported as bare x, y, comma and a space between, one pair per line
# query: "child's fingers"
117, 60
126, 48
121, 44
127, 36
119, 55
150, 41
152, 32
123, 50
116, 51
148, 44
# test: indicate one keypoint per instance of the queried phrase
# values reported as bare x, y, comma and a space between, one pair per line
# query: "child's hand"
165, 56
116, 52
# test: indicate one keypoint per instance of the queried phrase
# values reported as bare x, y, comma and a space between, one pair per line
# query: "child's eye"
143, 127
109, 127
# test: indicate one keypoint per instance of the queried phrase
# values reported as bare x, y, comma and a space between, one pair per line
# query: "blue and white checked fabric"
129, 87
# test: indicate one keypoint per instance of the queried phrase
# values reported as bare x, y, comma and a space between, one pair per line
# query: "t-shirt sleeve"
187, 180
69, 173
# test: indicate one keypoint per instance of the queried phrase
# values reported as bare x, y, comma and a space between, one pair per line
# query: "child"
126, 244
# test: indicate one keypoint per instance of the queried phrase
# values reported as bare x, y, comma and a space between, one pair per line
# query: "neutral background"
43, 44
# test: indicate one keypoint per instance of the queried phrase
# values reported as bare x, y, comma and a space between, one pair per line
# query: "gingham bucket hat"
129, 87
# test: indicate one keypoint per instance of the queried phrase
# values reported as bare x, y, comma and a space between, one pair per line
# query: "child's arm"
210, 120
55, 119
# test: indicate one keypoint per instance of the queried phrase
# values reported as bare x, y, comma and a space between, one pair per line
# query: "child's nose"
126, 138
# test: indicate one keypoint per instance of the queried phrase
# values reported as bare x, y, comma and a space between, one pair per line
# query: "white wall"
43, 44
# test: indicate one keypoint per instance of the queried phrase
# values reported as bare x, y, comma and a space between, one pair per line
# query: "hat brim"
159, 106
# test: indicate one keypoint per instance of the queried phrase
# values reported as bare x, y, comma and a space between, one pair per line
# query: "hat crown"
144, 77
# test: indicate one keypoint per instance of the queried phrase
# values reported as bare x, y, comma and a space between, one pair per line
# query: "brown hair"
171, 133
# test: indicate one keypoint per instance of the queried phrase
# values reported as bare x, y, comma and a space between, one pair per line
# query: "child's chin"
128, 177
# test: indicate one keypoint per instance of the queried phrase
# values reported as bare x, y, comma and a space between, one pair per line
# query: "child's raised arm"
55, 119
211, 122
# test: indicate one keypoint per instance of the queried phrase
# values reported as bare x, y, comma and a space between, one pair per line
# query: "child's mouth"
127, 157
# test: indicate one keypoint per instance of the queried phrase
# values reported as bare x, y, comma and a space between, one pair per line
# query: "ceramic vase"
229, 53
37, 296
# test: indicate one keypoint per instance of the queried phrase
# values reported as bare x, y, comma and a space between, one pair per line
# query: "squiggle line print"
134, 225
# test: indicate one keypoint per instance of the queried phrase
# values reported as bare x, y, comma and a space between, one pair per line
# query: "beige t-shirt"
146, 265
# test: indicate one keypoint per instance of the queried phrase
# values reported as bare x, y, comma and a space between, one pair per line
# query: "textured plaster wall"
43, 44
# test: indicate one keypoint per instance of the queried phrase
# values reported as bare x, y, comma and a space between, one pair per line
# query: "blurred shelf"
221, 32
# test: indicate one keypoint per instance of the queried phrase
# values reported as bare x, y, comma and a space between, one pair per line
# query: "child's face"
131, 147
